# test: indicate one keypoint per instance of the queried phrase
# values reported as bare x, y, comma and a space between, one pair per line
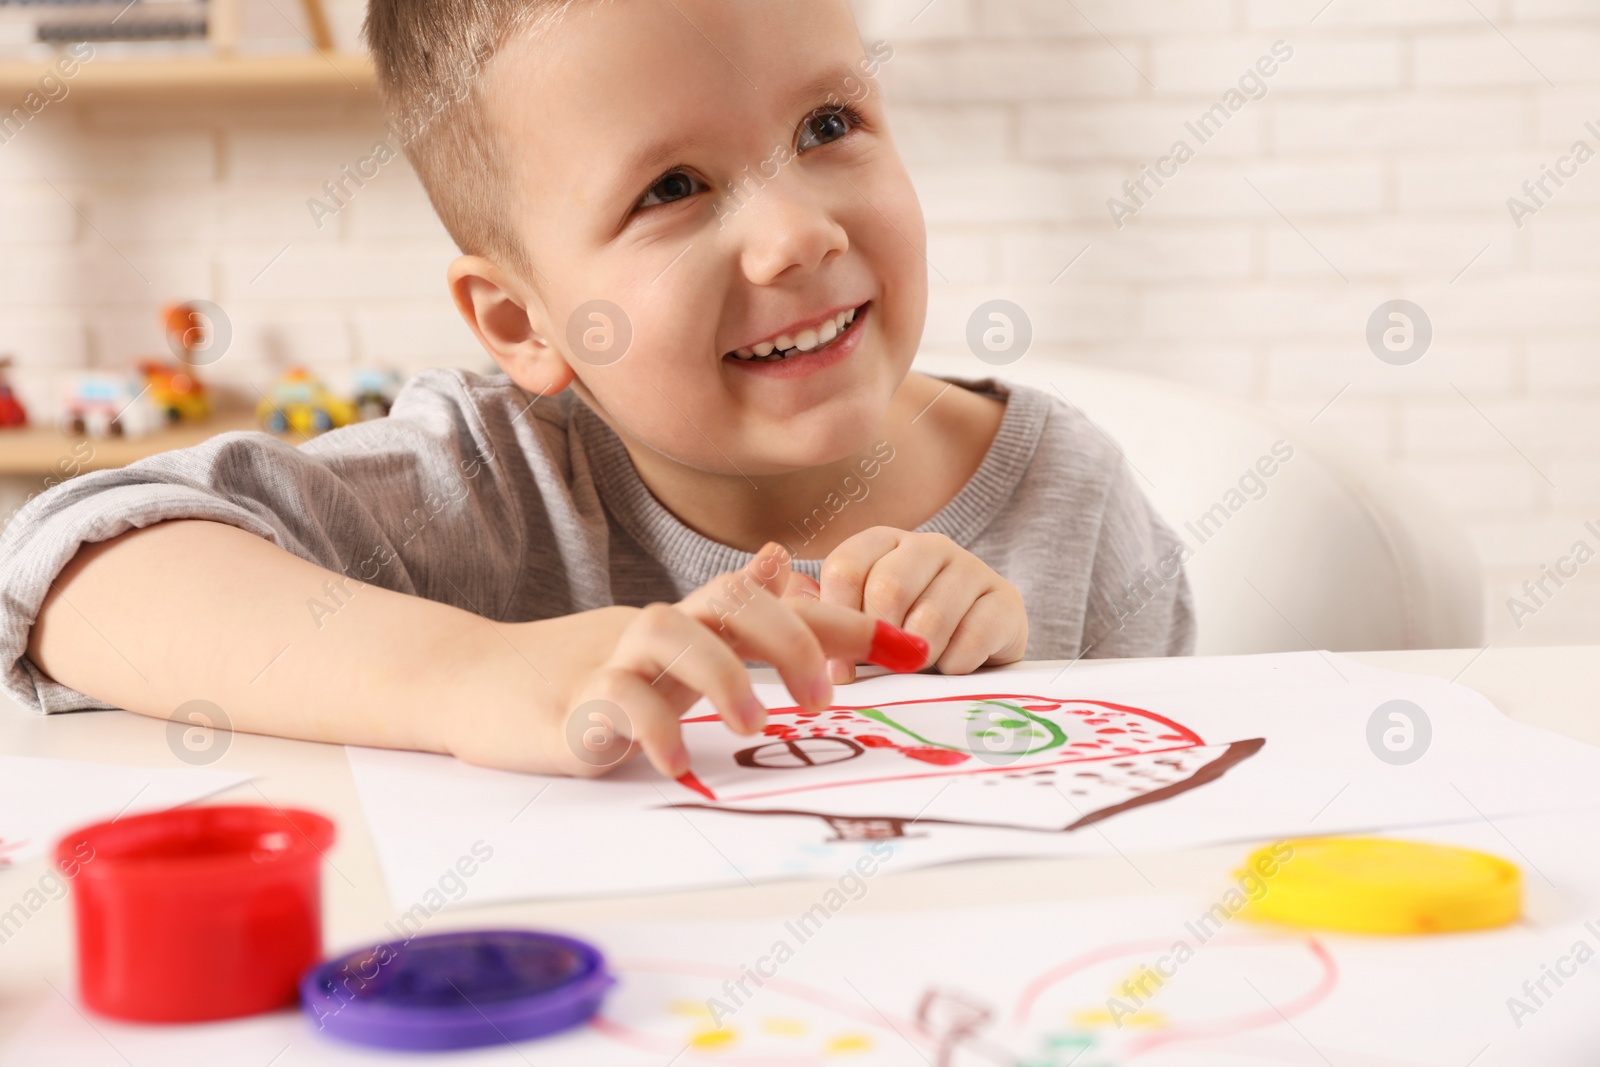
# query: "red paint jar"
197, 913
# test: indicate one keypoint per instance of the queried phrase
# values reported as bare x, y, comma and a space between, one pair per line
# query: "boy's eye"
669, 188
827, 126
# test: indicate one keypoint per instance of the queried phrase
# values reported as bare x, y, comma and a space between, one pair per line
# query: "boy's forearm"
192, 610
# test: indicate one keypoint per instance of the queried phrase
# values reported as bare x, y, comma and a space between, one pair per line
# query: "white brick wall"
1389, 142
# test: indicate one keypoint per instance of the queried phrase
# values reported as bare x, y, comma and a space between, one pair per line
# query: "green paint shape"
1053, 733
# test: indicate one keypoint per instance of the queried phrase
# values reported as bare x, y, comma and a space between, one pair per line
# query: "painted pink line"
1220, 1028
627, 1035
1258, 1021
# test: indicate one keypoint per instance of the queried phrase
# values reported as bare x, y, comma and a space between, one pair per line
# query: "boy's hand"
930, 587
663, 659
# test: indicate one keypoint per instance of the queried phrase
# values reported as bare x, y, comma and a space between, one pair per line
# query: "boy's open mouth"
786, 346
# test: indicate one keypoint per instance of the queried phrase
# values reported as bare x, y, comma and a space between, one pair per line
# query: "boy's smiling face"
621, 128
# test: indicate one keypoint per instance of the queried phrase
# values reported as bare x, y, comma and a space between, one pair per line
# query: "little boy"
707, 447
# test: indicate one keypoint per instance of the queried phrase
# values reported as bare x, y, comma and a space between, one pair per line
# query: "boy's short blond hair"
431, 57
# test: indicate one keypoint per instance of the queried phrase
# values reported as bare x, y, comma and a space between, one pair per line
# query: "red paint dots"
942, 757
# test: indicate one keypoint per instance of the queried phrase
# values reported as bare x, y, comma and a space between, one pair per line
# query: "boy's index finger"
767, 571
848, 634
769, 567
845, 570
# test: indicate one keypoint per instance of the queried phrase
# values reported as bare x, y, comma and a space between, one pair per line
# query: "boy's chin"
790, 448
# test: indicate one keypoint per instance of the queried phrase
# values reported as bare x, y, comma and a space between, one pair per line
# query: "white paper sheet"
1099, 758
41, 799
1040, 985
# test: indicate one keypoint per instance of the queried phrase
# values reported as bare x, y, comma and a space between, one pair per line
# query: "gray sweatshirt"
472, 494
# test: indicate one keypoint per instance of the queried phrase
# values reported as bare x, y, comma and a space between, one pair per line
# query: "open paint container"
457, 990
197, 913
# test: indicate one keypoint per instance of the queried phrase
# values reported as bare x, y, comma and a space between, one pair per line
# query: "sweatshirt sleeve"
1139, 603
421, 502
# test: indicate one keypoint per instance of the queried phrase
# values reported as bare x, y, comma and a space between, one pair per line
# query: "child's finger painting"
1003, 759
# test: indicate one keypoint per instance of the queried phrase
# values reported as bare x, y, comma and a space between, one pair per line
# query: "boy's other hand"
667, 656
931, 587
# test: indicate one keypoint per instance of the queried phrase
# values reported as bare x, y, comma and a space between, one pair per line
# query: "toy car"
12, 413
176, 392
374, 390
100, 404
300, 402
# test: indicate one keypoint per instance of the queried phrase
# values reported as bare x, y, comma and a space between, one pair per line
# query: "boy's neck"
932, 439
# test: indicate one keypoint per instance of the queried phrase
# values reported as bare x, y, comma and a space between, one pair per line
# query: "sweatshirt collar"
697, 559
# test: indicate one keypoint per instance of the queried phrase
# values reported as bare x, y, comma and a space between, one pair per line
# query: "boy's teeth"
804, 341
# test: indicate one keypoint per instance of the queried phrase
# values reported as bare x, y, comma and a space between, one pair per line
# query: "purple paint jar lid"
456, 990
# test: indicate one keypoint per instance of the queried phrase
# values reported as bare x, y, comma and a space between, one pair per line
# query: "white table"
1554, 688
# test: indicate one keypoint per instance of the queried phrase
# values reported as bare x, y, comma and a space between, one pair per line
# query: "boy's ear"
497, 308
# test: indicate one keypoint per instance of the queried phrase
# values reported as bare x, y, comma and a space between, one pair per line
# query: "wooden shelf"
203, 76
46, 451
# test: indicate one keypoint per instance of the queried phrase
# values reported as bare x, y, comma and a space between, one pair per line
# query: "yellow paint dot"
1097, 1017
694, 1008
844, 1044
713, 1039
784, 1027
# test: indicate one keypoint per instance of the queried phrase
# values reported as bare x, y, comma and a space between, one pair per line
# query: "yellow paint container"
1374, 885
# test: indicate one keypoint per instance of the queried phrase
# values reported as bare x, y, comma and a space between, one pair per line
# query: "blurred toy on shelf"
109, 404
175, 391
300, 402
12, 413
198, 331
373, 391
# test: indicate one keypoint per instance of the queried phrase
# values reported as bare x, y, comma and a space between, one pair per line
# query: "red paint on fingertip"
897, 650
689, 781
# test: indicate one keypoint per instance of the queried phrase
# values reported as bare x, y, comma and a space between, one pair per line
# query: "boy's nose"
785, 228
